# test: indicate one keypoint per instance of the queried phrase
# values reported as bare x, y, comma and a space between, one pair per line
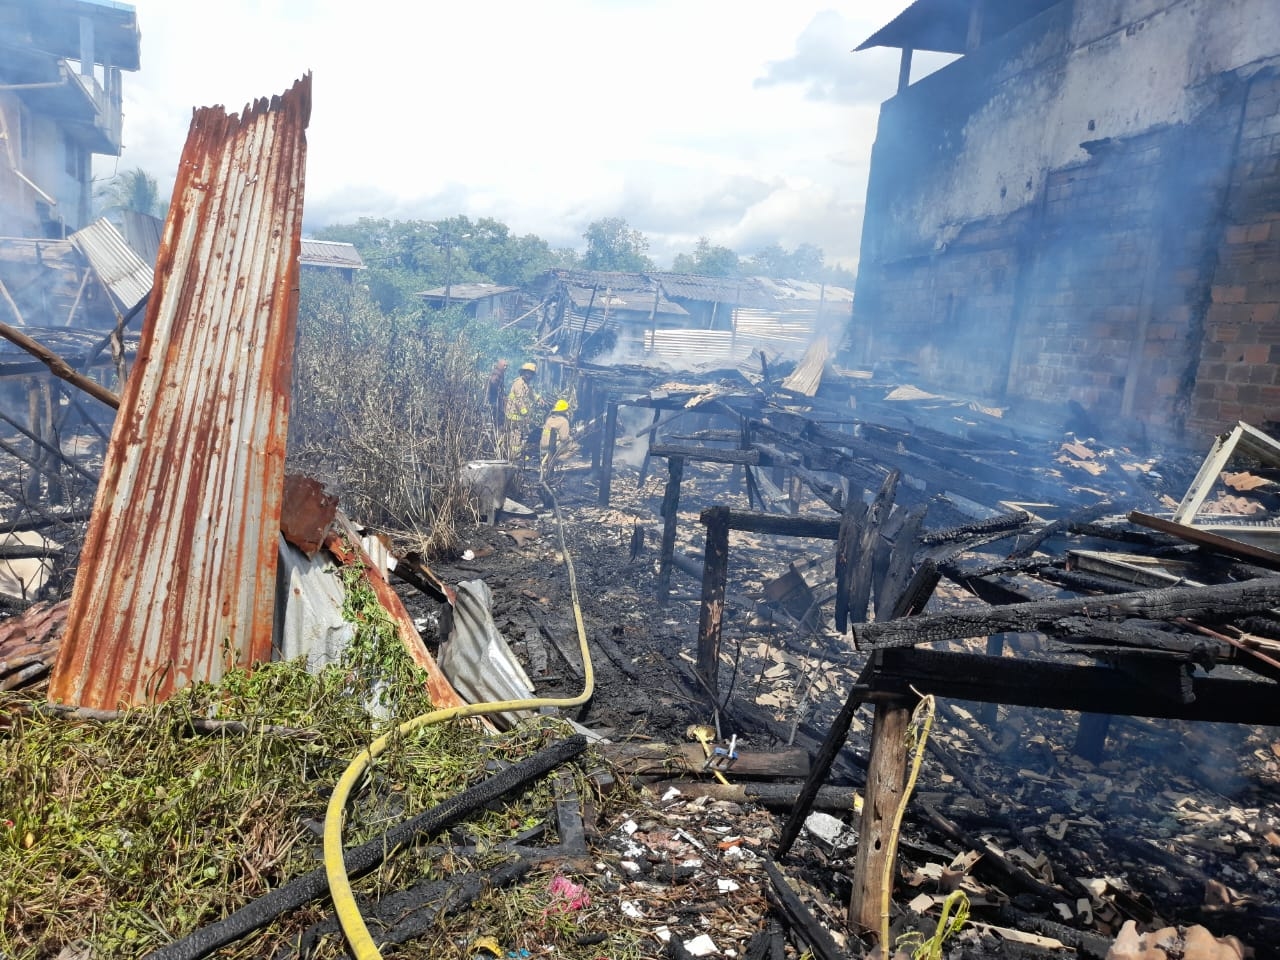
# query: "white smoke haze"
546, 118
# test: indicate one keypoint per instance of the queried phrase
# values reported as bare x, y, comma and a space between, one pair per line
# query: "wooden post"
886, 779
1091, 737
715, 575
606, 452
989, 713
648, 448
670, 507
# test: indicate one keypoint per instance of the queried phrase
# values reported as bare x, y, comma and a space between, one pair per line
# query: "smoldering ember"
358, 598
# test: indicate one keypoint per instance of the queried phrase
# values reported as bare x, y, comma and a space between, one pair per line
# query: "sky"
746, 122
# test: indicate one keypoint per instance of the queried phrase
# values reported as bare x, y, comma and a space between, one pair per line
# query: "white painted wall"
1124, 66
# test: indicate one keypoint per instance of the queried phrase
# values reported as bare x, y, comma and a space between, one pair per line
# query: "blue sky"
748, 122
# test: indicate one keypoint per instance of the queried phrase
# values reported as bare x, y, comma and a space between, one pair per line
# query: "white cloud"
710, 118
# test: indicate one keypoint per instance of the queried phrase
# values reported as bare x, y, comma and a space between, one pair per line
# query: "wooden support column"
989, 713
670, 508
648, 448
715, 575
1091, 736
846, 547
886, 780
606, 453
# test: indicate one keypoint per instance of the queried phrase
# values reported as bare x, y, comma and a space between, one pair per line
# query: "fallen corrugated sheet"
118, 266
178, 572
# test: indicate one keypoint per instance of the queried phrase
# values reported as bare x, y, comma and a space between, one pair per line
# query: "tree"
134, 190
804, 263
613, 245
708, 260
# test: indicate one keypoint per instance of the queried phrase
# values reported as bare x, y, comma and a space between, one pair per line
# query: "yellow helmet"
561, 405
532, 368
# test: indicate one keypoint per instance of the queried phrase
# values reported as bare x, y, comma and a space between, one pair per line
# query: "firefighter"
554, 445
522, 402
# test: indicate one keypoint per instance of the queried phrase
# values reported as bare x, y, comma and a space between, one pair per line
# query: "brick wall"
1238, 377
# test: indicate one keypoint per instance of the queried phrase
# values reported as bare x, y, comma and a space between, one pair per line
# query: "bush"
386, 409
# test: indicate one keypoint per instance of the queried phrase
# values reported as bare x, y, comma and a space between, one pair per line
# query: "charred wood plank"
897, 574
831, 745
860, 581
714, 579
656, 758
1216, 603
847, 537
1087, 515
1126, 634
1057, 686
915, 596
1009, 523
606, 451
670, 516
802, 921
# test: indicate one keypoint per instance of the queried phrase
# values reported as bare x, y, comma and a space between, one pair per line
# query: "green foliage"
708, 260
406, 257
613, 245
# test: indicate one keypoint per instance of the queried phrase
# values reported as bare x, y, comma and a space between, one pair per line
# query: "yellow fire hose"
353, 925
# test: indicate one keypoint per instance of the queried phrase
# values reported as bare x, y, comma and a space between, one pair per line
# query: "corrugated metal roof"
178, 572
117, 265
616, 301
142, 233
467, 292
331, 253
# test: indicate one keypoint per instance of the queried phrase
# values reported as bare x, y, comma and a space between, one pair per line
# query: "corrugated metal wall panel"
178, 569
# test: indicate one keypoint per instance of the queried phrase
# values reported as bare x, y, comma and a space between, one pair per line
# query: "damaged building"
1082, 208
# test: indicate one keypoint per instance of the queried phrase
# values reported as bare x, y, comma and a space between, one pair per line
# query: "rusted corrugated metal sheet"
178, 571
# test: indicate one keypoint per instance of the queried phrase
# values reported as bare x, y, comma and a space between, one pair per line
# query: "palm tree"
134, 190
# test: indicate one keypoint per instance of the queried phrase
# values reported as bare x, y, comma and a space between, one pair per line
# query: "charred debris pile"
1048, 634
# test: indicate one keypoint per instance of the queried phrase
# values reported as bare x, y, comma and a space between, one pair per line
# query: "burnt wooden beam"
1087, 515
897, 569
915, 595
1220, 602
670, 516
1009, 523
837, 734
803, 922
715, 572
1208, 540
606, 452
770, 523
1058, 686
847, 536
1088, 631
672, 759
648, 450
877, 514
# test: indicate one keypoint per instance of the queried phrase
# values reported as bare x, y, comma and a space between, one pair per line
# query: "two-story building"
60, 99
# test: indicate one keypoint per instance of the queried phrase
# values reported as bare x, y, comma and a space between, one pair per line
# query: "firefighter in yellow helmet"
522, 402
555, 446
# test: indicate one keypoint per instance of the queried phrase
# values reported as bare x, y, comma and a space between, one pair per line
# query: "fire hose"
344, 903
